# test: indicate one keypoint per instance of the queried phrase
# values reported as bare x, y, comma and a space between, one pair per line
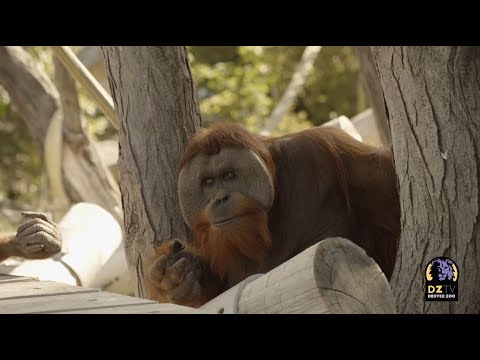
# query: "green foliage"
22, 174
334, 88
42, 55
20, 163
244, 85
97, 124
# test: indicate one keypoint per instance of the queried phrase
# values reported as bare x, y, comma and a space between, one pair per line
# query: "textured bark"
432, 96
30, 90
156, 104
73, 124
37, 100
82, 166
373, 89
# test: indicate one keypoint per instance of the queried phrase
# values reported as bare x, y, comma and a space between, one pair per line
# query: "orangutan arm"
7, 246
37, 238
174, 274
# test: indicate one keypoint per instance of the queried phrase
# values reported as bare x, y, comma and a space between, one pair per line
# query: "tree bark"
156, 104
80, 156
38, 101
432, 96
373, 89
31, 91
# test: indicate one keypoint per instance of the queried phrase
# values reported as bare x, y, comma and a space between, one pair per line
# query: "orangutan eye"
207, 181
229, 175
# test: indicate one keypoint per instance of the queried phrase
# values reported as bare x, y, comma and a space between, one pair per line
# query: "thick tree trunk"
432, 95
38, 102
373, 89
156, 105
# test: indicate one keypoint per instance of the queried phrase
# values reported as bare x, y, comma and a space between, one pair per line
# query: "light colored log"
333, 276
227, 302
91, 236
92, 252
344, 123
367, 126
46, 269
53, 157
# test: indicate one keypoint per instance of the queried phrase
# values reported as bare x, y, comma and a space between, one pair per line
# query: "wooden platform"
25, 295
333, 276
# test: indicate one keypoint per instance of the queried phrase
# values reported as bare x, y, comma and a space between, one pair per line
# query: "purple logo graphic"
441, 269
441, 277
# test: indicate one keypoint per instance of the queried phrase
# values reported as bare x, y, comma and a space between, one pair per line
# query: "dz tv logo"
441, 275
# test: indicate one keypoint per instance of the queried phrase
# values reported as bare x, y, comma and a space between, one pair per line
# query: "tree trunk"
373, 89
156, 104
37, 100
82, 165
432, 96
31, 91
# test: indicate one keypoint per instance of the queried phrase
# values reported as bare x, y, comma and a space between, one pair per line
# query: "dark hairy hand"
177, 274
38, 237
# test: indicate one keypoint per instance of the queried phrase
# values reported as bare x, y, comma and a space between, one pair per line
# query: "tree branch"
293, 89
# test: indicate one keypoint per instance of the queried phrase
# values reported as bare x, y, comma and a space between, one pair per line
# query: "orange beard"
232, 249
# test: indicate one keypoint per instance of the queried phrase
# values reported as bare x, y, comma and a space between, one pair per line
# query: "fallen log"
92, 253
334, 276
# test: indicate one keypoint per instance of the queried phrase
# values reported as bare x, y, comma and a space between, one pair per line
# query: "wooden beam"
344, 123
80, 73
332, 276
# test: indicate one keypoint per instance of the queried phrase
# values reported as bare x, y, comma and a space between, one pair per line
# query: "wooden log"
344, 123
92, 253
367, 126
80, 73
227, 302
334, 276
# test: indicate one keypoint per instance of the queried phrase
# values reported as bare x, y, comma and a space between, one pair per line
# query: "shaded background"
235, 83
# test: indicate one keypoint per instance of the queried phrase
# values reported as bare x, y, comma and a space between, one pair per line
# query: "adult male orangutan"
253, 203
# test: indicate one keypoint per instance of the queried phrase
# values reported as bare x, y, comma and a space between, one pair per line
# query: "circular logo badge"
441, 275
